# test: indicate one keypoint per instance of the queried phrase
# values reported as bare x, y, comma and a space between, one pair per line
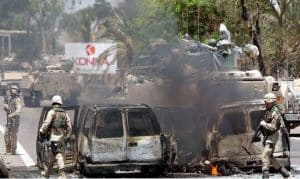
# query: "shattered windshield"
232, 123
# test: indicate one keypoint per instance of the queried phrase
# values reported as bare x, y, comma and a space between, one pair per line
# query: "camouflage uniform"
13, 109
273, 121
58, 121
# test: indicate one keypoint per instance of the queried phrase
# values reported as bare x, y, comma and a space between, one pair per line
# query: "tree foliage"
136, 23
38, 18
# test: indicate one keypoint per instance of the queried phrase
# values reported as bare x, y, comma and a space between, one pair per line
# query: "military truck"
36, 87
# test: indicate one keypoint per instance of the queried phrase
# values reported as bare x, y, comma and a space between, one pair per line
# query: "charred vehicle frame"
230, 136
120, 139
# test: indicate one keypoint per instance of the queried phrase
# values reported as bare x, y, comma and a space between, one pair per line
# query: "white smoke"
115, 3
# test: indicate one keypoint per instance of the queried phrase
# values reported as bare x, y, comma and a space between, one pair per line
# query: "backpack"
60, 120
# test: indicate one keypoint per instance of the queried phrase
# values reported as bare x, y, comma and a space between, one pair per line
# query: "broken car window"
109, 124
81, 117
233, 123
142, 123
256, 117
88, 122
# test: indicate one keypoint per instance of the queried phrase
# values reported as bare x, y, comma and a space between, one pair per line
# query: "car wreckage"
230, 136
111, 139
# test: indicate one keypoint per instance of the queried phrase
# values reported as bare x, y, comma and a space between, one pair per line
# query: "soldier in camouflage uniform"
271, 126
12, 106
59, 124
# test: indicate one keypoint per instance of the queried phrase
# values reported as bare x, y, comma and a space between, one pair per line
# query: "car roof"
250, 103
118, 106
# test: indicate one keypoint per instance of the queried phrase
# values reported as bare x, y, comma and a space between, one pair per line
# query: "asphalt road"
23, 164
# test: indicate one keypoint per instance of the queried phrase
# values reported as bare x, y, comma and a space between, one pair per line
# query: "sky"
81, 4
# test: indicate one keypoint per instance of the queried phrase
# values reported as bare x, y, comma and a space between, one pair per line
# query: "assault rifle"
258, 132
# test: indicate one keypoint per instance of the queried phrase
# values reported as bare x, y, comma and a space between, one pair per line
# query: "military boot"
13, 151
265, 174
7, 151
61, 174
284, 172
45, 173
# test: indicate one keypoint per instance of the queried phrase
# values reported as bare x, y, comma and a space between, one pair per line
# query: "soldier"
59, 124
271, 125
12, 106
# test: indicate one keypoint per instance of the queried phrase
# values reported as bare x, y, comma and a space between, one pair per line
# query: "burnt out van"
120, 139
231, 133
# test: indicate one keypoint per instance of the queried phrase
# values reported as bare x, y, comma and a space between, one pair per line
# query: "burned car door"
292, 122
143, 140
108, 139
43, 149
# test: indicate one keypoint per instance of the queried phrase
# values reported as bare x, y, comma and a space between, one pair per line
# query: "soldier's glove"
263, 123
5, 107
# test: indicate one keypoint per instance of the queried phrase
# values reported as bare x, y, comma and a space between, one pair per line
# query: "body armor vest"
269, 116
59, 123
12, 104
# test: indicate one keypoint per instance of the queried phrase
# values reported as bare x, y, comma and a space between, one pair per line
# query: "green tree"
44, 20
38, 18
198, 18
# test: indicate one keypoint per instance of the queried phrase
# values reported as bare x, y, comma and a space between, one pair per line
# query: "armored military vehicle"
40, 86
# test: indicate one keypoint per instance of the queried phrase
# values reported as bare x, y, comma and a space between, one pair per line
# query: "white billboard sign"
92, 58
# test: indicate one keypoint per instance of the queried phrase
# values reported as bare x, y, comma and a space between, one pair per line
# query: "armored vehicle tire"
32, 102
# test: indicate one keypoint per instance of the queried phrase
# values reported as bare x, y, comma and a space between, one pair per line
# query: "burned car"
230, 136
120, 139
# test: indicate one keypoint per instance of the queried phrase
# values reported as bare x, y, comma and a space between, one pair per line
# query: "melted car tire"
3, 170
